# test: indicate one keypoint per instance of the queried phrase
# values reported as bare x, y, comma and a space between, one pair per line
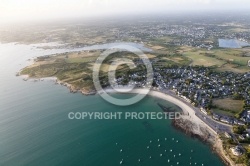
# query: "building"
237, 151
225, 119
216, 117
203, 110
242, 137
228, 135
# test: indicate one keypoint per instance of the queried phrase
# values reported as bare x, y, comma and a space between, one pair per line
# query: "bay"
35, 128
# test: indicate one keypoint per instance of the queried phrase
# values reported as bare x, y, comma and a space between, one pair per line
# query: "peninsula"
188, 63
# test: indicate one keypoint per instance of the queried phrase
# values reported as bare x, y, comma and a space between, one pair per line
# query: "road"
217, 126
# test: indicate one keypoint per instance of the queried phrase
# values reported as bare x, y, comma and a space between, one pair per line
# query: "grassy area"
222, 112
221, 59
71, 67
236, 56
150, 56
228, 105
158, 44
81, 59
168, 61
234, 60
199, 59
233, 68
76, 68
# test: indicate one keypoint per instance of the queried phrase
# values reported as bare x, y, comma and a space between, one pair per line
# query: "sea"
35, 129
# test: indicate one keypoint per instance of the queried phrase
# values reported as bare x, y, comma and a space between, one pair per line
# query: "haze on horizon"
33, 10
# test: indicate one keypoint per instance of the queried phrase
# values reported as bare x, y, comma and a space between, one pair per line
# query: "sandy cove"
198, 127
195, 125
186, 109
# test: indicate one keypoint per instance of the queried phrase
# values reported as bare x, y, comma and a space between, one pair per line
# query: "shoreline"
214, 147
179, 103
198, 128
214, 141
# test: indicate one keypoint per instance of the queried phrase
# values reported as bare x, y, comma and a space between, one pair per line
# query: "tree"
237, 96
239, 129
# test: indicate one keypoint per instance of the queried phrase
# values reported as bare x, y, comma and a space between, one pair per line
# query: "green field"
73, 67
198, 59
234, 60
222, 112
228, 106
81, 59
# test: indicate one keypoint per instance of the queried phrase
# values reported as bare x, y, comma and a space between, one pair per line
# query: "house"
237, 151
242, 137
241, 123
203, 110
238, 122
228, 135
216, 117
225, 120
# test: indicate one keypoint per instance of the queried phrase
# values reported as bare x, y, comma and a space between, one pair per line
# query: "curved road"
217, 126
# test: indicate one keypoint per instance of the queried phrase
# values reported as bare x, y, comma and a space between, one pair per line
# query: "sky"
20, 10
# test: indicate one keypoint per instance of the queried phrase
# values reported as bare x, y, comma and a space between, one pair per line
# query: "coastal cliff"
193, 129
196, 131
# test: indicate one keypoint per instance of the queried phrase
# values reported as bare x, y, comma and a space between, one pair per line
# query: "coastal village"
200, 86
201, 64
124, 82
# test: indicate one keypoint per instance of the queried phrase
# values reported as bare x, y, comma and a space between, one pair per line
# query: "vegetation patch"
229, 105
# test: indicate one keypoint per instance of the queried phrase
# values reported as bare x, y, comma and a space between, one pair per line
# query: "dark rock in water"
188, 128
168, 109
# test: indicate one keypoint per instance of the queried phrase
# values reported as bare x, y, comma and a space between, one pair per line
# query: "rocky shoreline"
184, 124
190, 129
72, 89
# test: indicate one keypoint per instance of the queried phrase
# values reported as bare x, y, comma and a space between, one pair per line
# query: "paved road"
215, 125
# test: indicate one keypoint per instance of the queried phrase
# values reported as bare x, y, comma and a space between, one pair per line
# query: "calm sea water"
232, 43
35, 129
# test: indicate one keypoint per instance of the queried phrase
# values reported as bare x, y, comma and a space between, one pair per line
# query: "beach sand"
186, 109
198, 126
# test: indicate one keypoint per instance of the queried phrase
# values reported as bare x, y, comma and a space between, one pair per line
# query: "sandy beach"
198, 126
186, 109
